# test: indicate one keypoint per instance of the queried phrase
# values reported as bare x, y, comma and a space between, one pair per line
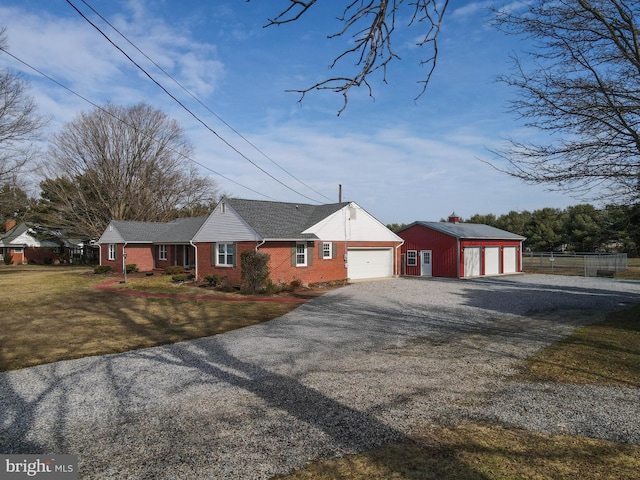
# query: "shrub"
8, 258
254, 270
212, 280
295, 283
179, 278
131, 267
174, 270
102, 269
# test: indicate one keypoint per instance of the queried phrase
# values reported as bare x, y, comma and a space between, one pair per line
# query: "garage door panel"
472, 262
492, 260
510, 259
371, 263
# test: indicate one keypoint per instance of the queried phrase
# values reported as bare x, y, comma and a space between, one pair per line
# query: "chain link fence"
583, 264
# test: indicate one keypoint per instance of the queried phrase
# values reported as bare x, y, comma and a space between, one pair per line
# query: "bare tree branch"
372, 23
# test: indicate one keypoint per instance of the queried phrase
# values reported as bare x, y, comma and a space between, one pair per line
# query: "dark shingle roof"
180, 230
279, 220
469, 230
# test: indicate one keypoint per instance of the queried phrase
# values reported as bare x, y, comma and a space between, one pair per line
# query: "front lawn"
51, 313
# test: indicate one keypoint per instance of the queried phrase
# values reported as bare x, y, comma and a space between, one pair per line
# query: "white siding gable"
225, 225
110, 235
30, 241
352, 223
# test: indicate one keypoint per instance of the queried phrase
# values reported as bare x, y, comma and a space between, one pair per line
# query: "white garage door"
510, 259
472, 262
492, 260
374, 263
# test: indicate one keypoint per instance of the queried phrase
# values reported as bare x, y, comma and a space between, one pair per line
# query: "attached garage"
369, 263
460, 250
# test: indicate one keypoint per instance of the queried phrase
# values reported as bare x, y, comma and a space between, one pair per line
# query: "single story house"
459, 250
149, 245
29, 243
309, 243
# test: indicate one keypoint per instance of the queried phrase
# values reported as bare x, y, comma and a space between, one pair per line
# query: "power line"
26, 64
184, 107
188, 92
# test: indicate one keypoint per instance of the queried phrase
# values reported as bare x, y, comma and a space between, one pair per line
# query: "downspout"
195, 260
397, 265
124, 261
260, 244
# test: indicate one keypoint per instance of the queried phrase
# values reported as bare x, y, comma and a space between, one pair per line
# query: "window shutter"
235, 257
214, 252
293, 254
334, 250
310, 246
320, 250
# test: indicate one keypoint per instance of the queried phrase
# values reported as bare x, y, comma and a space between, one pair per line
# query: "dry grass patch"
473, 451
55, 313
606, 353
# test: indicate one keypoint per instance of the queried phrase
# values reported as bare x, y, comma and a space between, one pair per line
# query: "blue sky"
399, 158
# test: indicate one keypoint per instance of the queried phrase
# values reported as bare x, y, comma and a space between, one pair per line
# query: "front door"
425, 263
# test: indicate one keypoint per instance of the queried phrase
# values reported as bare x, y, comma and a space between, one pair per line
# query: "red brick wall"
141, 255
280, 263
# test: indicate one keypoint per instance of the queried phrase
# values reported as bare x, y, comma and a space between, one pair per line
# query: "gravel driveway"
355, 368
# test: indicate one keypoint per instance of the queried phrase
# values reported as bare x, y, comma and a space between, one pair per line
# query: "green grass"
52, 313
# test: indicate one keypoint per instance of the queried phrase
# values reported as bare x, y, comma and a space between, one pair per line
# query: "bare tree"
371, 24
19, 123
582, 86
120, 163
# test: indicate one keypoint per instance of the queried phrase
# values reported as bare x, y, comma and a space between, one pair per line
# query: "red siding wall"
444, 256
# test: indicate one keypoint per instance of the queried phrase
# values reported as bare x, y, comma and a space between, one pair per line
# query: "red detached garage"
457, 250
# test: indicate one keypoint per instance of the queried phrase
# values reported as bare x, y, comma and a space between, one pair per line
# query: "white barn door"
472, 261
491, 260
510, 255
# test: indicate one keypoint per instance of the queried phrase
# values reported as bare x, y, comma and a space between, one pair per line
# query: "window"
412, 258
112, 251
162, 252
17, 250
326, 250
225, 254
301, 254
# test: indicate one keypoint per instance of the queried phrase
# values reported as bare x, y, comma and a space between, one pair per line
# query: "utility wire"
188, 92
186, 108
124, 122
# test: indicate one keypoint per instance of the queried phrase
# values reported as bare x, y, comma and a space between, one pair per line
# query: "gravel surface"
358, 367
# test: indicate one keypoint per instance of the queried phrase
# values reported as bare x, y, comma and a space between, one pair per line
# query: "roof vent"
453, 218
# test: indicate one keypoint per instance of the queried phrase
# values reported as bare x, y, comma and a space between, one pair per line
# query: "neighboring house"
149, 245
310, 243
458, 250
28, 243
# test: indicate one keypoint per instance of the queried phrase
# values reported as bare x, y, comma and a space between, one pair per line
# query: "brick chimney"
9, 224
453, 218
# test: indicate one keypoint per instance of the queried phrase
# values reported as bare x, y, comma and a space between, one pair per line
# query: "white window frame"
162, 252
327, 250
18, 250
412, 258
301, 254
222, 250
112, 252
